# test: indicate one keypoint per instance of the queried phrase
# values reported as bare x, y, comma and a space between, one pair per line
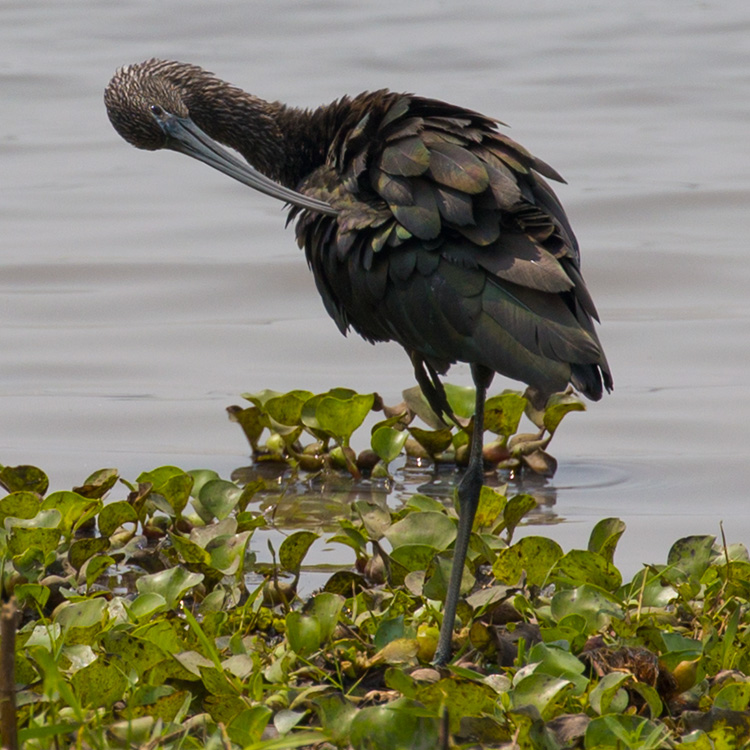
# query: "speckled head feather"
130, 98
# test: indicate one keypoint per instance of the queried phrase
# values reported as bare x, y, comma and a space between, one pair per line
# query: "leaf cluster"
314, 432
146, 621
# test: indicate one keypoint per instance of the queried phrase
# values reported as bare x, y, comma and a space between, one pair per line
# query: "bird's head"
140, 104
145, 105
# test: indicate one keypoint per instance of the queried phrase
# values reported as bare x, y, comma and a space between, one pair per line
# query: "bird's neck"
284, 143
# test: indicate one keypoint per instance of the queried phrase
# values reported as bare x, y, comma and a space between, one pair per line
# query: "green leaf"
515, 510
293, 550
538, 690
581, 566
491, 505
608, 694
98, 484
304, 633
337, 413
429, 528
286, 409
247, 728
595, 605
398, 725
220, 497
20, 505
388, 443
692, 555
558, 405
172, 584
461, 399
114, 515
604, 537
621, 732
83, 549
534, 555
433, 441
24, 479
503, 413
73, 508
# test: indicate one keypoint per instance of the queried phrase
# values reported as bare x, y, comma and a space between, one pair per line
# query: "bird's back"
450, 242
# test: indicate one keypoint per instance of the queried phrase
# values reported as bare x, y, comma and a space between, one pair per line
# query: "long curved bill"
187, 138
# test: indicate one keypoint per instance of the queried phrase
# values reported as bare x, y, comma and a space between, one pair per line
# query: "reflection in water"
318, 502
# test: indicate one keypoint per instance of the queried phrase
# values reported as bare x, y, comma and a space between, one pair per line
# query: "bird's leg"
468, 501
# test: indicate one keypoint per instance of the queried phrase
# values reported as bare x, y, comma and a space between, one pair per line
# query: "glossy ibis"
421, 222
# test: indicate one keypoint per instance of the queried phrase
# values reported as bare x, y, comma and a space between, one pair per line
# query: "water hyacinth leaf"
326, 607
83, 549
388, 443
96, 567
227, 552
247, 727
429, 528
220, 497
172, 584
424, 503
692, 555
516, 508
414, 556
286, 408
559, 662
533, 555
608, 695
558, 405
101, 683
285, 720
624, 731
32, 562
190, 553
335, 713
339, 414
22, 540
399, 725
146, 605
538, 690
503, 413
200, 478
24, 479
491, 505
375, 518
114, 515
604, 537
417, 403
293, 550
650, 696
433, 441
595, 605
82, 614
31, 594
73, 508
304, 633
250, 421
439, 572
20, 505
581, 566
461, 399
98, 484
463, 697
733, 697
173, 484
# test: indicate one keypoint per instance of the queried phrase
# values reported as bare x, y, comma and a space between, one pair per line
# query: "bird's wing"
450, 242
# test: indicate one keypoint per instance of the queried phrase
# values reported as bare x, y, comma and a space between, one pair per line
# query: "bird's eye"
156, 110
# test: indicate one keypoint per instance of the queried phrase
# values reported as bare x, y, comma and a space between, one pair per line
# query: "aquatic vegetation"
276, 424
147, 620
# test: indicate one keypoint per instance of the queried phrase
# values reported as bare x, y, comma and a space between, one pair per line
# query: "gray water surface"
141, 293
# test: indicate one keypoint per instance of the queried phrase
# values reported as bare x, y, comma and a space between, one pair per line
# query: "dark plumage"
422, 224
